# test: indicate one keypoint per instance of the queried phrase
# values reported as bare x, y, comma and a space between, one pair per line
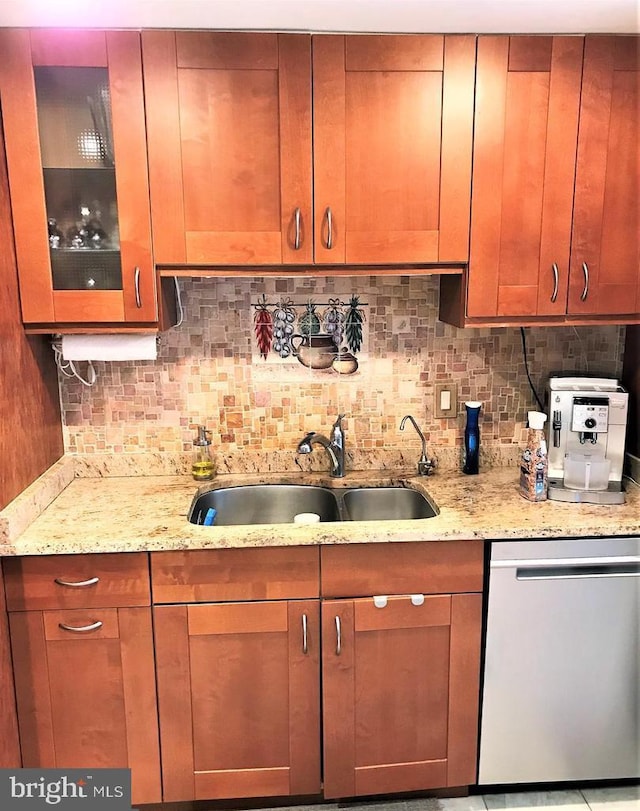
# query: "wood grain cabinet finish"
556, 182
238, 688
401, 678
526, 130
605, 250
119, 53
83, 659
235, 179
86, 698
77, 581
400, 693
392, 125
229, 123
9, 743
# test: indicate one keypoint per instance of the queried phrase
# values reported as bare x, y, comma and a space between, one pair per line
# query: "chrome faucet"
333, 446
425, 466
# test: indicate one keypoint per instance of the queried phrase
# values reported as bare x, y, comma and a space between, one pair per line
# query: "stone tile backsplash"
209, 372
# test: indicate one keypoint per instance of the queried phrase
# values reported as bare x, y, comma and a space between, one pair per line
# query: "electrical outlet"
446, 400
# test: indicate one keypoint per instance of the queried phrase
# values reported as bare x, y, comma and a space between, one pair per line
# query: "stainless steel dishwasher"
561, 676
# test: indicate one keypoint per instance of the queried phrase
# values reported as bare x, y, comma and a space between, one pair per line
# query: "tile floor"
622, 798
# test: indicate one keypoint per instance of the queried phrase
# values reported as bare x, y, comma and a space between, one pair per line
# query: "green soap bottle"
202, 468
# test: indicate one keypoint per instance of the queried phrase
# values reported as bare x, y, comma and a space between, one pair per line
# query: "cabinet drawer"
216, 575
438, 567
77, 581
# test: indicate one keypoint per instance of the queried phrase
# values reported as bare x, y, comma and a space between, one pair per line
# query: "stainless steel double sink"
279, 503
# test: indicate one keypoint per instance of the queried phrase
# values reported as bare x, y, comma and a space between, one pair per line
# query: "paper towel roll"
109, 347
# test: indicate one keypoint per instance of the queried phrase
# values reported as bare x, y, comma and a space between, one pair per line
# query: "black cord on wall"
526, 368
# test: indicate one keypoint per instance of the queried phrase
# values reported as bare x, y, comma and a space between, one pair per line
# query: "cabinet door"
229, 118
400, 694
392, 119
9, 743
73, 112
526, 125
238, 687
87, 697
605, 250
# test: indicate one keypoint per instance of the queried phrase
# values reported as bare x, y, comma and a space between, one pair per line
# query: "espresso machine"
587, 420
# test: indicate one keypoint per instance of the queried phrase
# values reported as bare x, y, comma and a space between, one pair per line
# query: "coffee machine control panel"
590, 415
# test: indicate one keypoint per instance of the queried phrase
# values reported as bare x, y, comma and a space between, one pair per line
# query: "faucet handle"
426, 467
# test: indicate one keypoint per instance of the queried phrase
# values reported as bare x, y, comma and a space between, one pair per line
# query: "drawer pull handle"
80, 629
77, 584
305, 645
338, 637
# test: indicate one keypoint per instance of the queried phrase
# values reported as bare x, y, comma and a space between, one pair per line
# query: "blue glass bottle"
472, 438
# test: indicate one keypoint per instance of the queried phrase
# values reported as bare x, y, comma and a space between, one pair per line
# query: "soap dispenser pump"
202, 468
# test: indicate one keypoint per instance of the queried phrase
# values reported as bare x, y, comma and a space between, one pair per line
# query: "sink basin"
386, 504
264, 504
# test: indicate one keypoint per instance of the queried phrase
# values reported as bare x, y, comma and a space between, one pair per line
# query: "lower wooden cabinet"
400, 693
85, 688
239, 711
9, 742
238, 693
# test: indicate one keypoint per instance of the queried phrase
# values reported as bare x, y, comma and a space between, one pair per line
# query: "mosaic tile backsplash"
210, 371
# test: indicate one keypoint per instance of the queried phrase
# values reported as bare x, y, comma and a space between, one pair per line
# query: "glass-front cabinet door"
73, 116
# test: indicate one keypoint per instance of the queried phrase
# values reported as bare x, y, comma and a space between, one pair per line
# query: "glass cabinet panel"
76, 142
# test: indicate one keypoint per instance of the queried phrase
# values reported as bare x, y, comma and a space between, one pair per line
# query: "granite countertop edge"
149, 513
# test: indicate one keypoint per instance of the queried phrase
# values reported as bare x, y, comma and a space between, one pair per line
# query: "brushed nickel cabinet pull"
80, 629
338, 637
554, 295
329, 217
77, 584
585, 292
297, 242
305, 647
136, 281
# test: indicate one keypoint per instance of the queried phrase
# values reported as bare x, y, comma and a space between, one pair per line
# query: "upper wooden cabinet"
526, 129
73, 112
605, 249
229, 120
392, 135
233, 172
552, 112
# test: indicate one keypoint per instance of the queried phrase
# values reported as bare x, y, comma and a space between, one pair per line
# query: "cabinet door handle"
136, 282
305, 646
80, 629
77, 584
297, 241
554, 295
585, 292
338, 637
329, 217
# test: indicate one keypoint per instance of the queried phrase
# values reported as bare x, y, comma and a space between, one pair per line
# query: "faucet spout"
333, 446
426, 466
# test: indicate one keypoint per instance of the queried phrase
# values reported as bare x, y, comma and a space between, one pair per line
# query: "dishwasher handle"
577, 570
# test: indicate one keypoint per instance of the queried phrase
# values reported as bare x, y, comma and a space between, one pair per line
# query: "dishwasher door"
561, 678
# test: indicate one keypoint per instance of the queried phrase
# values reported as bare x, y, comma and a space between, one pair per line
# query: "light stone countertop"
133, 513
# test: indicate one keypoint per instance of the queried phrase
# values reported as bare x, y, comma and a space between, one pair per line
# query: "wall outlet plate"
446, 400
